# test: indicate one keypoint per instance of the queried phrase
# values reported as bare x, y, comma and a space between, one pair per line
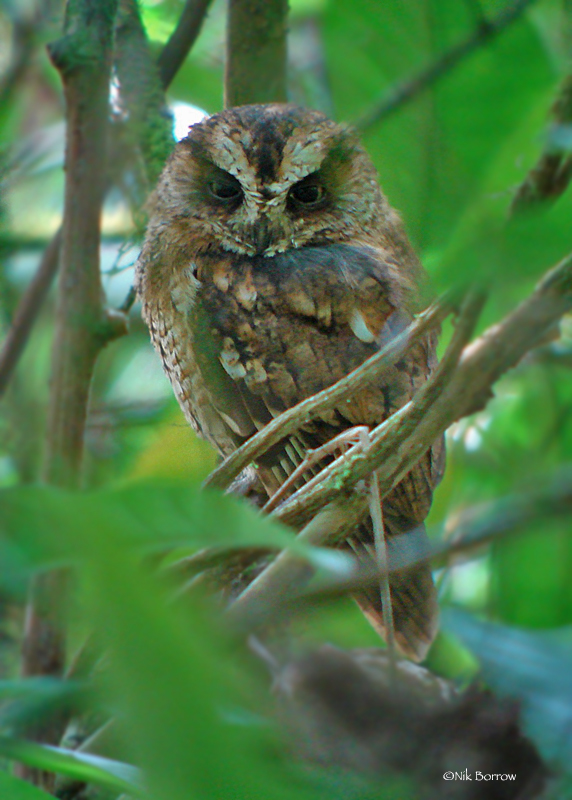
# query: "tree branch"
143, 128
281, 594
551, 174
406, 91
388, 438
460, 386
33, 298
288, 574
292, 419
492, 522
476, 528
181, 40
27, 312
398, 443
83, 57
256, 52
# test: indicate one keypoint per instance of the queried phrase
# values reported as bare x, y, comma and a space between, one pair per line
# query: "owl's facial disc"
261, 218
266, 179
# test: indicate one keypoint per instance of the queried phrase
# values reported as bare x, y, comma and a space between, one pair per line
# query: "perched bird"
272, 266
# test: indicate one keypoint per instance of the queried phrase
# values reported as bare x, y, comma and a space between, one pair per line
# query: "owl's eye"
225, 188
307, 194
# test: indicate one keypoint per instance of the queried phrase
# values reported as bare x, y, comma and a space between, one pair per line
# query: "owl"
272, 266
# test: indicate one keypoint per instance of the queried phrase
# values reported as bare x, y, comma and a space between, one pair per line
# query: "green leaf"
433, 152
33, 697
534, 667
171, 680
52, 524
80, 766
15, 789
531, 576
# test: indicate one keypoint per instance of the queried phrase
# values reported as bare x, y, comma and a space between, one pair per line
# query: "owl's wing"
286, 328
244, 339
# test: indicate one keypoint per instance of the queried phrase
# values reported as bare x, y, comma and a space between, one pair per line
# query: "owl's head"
262, 179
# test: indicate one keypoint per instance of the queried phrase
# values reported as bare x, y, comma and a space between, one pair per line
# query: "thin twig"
406, 91
552, 173
27, 311
286, 576
494, 521
372, 369
450, 394
357, 437
376, 514
181, 40
467, 374
475, 529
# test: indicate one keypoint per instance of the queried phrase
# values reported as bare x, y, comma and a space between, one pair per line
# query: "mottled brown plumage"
273, 265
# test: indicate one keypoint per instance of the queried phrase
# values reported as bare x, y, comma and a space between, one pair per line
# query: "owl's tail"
413, 595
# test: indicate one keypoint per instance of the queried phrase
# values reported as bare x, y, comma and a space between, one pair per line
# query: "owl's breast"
285, 327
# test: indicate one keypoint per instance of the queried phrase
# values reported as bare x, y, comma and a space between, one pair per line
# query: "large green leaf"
80, 766
534, 667
531, 576
15, 789
432, 154
53, 524
172, 684
26, 699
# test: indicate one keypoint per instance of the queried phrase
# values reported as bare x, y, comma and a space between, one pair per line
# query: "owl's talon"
357, 437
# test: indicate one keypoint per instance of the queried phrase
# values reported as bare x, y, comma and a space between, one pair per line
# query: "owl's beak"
261, 234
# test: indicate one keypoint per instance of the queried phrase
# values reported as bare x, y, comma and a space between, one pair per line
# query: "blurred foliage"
185, 695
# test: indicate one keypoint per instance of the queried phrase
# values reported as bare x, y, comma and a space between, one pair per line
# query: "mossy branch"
256, 52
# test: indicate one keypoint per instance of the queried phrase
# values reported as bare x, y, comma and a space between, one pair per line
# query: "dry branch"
406, 91
256, 52
288, 574
399, 442
475, 529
